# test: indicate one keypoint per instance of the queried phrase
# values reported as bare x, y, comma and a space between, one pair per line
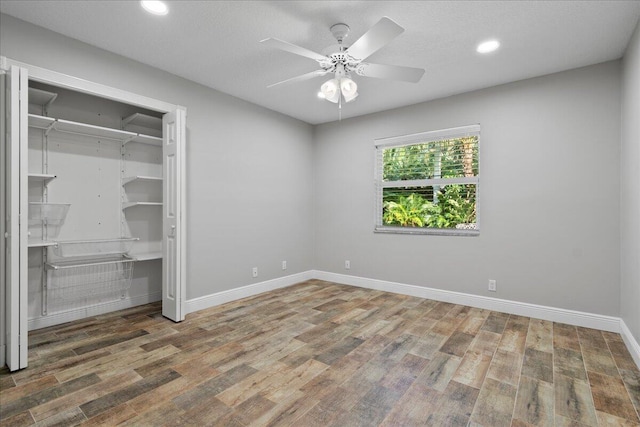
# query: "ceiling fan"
344, 62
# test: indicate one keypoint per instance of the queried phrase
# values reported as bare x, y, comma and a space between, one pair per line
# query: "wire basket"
94, 248
51, 215
77, 284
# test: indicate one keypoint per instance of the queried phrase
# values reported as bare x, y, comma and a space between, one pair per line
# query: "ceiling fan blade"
393, 72
298, 50
377, 36
302, 77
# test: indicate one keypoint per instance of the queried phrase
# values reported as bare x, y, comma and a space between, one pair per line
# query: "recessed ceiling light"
154, 6
488, 46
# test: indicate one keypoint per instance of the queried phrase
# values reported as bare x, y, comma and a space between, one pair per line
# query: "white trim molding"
630, 341
212, 300
94, 310
560, 315
80, 85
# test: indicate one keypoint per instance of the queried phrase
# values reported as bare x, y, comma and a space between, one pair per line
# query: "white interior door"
16, 214
173, 215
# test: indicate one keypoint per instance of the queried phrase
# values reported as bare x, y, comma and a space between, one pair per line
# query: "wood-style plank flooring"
323, 354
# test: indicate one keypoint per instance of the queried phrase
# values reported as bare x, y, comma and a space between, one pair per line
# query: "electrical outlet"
493, 287
254, 271
284, 265
347, 264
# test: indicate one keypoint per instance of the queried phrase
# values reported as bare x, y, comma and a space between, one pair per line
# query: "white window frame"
422, 138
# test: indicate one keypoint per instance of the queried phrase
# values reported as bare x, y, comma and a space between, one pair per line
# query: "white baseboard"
570, 317
630, 341
218, 298
95, 310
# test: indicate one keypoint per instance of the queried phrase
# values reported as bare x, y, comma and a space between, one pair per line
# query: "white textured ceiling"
216, 43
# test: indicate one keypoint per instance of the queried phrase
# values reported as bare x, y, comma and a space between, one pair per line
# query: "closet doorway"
93, 196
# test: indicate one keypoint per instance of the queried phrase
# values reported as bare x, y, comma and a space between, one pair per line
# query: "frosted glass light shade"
349, 89
331, 90
349, 98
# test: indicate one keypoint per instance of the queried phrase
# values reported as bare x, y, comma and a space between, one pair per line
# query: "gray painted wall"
630, 188
549, 199
248, 168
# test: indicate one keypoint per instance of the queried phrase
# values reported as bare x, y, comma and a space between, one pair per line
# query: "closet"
95, 202
100, 202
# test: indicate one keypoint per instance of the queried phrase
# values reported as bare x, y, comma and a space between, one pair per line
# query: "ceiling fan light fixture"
331, 90
342, 60
155, 7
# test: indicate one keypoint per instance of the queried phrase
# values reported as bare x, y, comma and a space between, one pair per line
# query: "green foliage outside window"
409, 211
431, 206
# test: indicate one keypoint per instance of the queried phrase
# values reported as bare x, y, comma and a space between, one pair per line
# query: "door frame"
14, 218
54, 78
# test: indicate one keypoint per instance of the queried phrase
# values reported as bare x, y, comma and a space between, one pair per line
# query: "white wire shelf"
45, 178
147, 139
41, 97
127, 205
92, 130
143, 120
129, 179
50, 124
94, 247
40, 243
146, 256
40, 122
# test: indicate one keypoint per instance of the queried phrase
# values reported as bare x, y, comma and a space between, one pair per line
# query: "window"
428, 183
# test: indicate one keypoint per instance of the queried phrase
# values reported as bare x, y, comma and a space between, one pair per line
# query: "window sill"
427, 231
